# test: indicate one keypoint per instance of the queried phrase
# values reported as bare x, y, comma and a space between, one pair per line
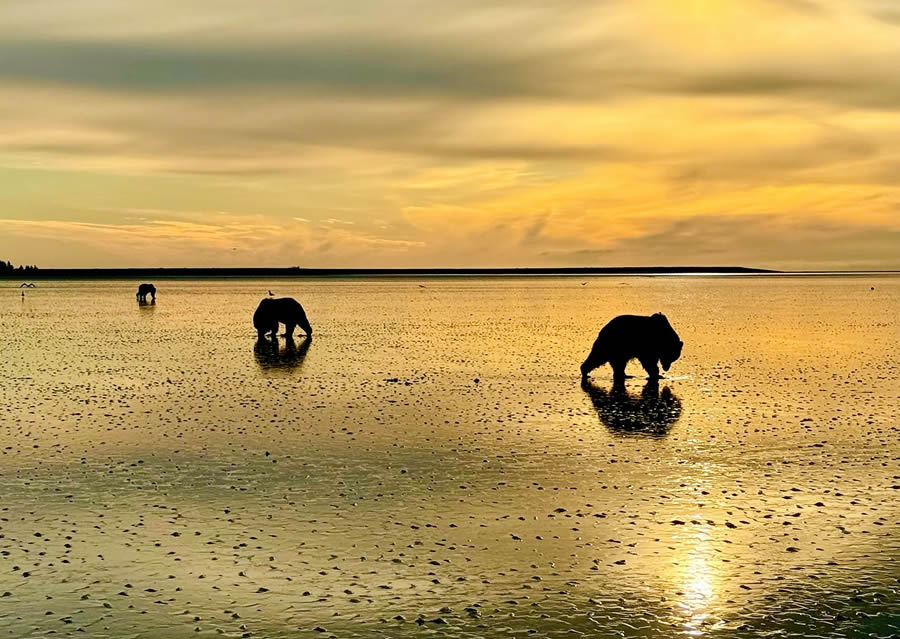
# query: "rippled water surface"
429, 463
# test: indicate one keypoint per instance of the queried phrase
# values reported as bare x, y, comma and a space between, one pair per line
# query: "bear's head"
669, 343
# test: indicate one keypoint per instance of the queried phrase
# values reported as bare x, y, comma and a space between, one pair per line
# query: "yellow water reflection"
698, 584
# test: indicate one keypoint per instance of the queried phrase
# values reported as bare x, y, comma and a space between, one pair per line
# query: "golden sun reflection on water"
698, 585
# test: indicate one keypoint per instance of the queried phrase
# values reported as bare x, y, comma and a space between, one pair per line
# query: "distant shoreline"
294, 272
136, 273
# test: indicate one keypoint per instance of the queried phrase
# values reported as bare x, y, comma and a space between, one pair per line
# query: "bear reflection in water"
271, 355
650, 414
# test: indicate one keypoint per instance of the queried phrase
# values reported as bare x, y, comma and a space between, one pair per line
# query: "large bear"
649, 339
286, 310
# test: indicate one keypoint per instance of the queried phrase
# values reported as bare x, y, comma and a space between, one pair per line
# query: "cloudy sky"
339, 133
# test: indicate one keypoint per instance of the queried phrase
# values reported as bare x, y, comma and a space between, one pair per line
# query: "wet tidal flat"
430, 463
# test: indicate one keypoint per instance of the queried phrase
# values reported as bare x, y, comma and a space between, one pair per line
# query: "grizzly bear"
144, 290
285, 310
626, 337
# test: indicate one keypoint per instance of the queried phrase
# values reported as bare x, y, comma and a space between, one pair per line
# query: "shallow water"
430, 462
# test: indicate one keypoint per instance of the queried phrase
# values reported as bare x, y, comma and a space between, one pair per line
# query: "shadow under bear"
652, 413
271, 355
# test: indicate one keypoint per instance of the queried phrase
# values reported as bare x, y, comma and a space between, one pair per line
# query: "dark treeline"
149, 273
8, 268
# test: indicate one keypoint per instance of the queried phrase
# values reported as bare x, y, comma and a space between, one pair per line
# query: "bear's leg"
618, 366
303, 323
289, 331
651, 367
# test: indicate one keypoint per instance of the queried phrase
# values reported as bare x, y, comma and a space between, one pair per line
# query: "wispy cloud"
767, 241
249, 243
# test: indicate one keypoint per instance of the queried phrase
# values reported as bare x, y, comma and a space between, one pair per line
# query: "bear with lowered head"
649, 339
144, 290
285, 310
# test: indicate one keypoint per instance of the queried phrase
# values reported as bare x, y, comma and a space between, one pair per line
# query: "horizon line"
297, 271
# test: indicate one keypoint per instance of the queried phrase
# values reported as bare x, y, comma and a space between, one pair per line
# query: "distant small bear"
285, 310
626, 337
144, 290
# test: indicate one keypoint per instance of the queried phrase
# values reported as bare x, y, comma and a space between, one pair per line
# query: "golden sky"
415, 133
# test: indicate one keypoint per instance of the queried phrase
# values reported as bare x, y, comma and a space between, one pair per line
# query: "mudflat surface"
430, 463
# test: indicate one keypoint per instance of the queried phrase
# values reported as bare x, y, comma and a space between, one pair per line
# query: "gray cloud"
360, 67
860, 81
891, 16
604, 68
883, 10
833, 147
804, 6
266, 132
771, 241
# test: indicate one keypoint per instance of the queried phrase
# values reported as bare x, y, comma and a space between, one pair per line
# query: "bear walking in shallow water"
144, 290
649, 339
285, 310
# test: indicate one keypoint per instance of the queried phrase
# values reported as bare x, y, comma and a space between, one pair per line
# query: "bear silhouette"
650, 339
144, 290
285, 310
